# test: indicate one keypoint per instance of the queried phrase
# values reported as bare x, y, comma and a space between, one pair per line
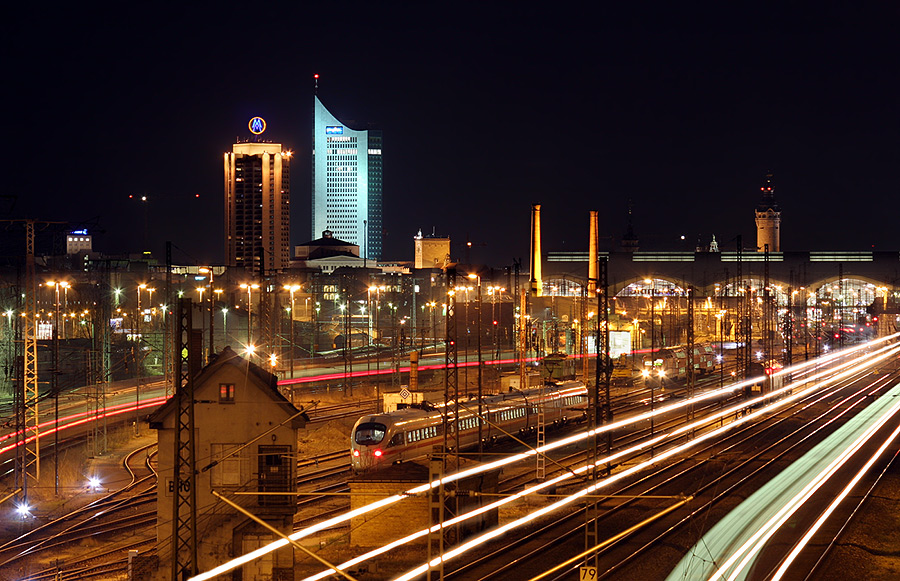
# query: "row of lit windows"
345, 139
343, 151
510, 414
422, 434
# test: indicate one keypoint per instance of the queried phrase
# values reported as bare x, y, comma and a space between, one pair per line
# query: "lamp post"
137, 361
292, 289
150, 292
55, 387
315, 345
212, 349
225, 324
249, 288
477, 278
215, 297
200, 291
494, 291
378, 291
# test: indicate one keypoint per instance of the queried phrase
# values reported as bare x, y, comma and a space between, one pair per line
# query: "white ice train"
411, 433
672, 361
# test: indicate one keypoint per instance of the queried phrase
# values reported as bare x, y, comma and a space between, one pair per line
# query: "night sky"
485, 107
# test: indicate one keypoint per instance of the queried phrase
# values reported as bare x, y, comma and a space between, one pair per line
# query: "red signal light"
356, 453
377, 453
495, 322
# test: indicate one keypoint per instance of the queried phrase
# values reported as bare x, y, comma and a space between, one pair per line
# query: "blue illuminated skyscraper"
346, 172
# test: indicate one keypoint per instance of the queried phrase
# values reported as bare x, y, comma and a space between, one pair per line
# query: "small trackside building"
245, 440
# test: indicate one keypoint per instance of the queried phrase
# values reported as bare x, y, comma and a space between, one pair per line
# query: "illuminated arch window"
654, 286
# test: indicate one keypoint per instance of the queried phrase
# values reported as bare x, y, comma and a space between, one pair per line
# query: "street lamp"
315, 345
225, 323
292, 289
55, 385
212, 289
494, 291
477, 279
200, 291
212, 303
249, 288
137, 361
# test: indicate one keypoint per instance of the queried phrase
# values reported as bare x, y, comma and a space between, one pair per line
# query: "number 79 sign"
587, 574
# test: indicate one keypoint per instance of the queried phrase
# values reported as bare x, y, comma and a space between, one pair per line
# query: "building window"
226, 393
275, 475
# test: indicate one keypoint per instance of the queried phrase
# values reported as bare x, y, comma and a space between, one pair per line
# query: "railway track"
683, 476
106, 517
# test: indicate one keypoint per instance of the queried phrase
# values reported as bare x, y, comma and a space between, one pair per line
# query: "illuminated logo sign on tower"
257, 125
334, 130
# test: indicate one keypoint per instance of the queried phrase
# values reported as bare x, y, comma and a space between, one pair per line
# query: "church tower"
630, 242
768, 219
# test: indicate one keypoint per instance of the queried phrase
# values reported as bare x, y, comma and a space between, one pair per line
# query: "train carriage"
673, 361
411, 433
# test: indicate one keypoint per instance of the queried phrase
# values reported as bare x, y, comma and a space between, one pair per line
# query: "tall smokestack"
592, 255
537, 284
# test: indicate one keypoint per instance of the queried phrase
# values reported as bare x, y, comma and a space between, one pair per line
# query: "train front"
367, 442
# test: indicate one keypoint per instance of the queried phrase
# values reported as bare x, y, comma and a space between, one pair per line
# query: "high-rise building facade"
257, 206
347, 186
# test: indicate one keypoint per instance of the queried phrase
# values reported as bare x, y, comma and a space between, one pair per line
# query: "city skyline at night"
680, 111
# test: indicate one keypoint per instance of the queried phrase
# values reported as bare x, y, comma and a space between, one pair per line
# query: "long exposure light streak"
668, 453
85, 418
801, 544
239, 561
579, 470
744, 555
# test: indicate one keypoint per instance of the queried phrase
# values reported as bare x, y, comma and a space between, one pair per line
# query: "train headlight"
377, 453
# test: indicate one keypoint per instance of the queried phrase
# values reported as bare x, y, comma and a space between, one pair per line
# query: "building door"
258, 569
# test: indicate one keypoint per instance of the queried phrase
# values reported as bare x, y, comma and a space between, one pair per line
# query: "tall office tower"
768, 220
257, 204
346, 182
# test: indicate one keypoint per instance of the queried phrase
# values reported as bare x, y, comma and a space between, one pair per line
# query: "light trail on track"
728, 551
48, 428
793, 389
670, 452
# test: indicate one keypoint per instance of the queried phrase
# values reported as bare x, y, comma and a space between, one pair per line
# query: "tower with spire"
768, 219
630, 241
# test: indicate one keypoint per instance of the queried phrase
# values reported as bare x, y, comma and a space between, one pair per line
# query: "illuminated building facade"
78, 241
768, 220
257, 206
431, 251
347, 187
